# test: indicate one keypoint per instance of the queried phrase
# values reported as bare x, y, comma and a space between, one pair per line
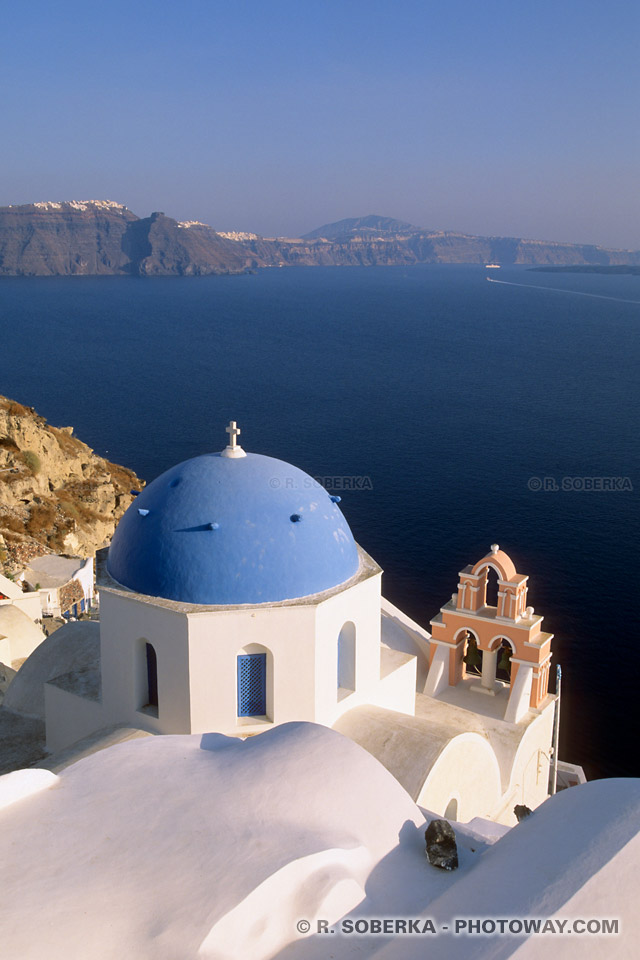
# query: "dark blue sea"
454, 399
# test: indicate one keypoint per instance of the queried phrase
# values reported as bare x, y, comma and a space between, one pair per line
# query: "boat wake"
577, 293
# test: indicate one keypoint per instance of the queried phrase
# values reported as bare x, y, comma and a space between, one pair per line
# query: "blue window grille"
252, 685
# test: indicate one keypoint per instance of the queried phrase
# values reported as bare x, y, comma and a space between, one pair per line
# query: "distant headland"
102, 237
618, 268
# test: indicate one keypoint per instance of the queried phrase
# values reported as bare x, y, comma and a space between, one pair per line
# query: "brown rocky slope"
56, 495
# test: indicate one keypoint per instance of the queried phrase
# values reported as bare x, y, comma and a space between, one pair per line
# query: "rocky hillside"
101, 237
56, 495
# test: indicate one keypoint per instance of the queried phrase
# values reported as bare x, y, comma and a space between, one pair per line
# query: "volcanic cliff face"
184, 249
96, 237
102, 237
56, 495
380, 239
52, 239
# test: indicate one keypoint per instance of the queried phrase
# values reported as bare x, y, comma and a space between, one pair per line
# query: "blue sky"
495, 117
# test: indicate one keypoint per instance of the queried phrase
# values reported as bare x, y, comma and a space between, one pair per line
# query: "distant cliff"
56, 495
50, 239
102, 237
378, 240
98, 237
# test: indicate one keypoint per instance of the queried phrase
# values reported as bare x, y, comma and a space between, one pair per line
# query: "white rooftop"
214, 849
52, 570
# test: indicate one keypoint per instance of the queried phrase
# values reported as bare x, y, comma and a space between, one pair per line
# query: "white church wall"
518, 705
69, 717
397, 687
466, 771
285, 633
438, 676
528, 780
400, 632
126, 625
359, 605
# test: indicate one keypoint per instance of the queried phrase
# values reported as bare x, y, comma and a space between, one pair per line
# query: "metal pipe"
556, 731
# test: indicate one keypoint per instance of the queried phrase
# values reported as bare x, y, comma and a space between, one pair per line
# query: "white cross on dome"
233, 449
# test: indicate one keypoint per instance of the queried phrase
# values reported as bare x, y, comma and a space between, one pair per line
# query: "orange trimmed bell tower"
509, 625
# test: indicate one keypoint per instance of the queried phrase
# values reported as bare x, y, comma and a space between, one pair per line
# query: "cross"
233, 430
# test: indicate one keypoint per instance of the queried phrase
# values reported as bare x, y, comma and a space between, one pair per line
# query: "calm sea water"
447, 393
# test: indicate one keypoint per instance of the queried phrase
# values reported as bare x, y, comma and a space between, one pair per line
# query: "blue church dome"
230, 529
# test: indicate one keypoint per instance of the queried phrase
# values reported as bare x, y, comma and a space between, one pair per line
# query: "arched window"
472, 655
150, 700
491, 597
347, 660
503, 663
451, 813
252, 684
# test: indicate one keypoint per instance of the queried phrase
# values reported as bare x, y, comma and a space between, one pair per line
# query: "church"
234, 598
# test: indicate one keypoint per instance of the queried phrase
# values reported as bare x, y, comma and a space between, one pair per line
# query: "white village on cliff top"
252, 739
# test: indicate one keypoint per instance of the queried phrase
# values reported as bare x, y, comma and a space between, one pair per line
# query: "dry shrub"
8, 443
69, 445
69, 509
14, 409
78, 490
15, 477
32, 461
73, 503
123, 478
56, 540
9, 522
41, 521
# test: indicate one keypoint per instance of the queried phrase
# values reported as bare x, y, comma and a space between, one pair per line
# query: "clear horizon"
487, 119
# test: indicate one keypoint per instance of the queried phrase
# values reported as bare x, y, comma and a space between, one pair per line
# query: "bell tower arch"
507, 635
